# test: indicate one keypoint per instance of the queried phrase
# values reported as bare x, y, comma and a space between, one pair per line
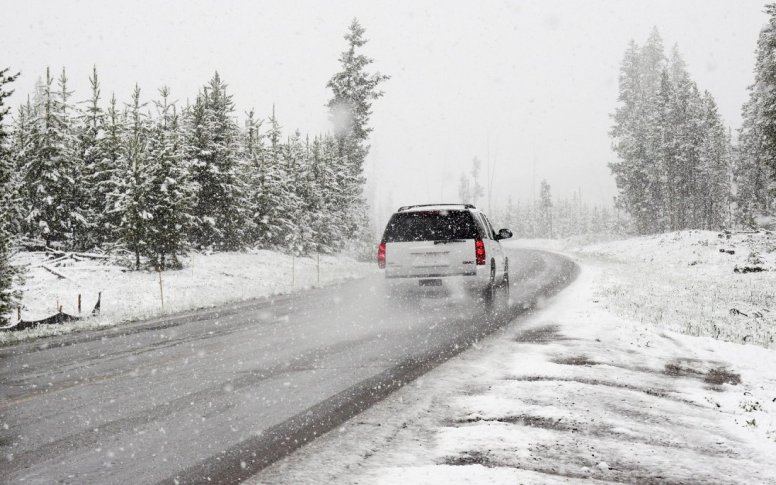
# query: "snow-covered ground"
583, 389
205, 280
695, 282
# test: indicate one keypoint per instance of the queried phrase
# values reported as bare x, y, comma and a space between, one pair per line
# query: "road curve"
215, 396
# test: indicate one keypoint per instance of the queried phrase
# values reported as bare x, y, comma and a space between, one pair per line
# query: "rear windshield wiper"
446, 241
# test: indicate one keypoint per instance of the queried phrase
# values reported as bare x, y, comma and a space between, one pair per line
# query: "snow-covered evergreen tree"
212, 152
51, 172
714, 170
629, 135
545, 204
9, 297
278, 201
252, 154
755, 171
129, 201
90, 131
107, 176
21, 149
663, 135
353, 91
469, 188
168, 190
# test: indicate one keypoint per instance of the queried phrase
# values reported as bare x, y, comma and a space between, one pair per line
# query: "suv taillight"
381, 256
479, 251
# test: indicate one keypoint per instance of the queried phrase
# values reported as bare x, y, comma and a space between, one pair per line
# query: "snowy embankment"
205, 281
589, 387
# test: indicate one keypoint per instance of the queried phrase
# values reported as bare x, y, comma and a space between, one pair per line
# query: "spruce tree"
755, 172
714, 169
353, 91
252, 154
21, 149
9, 297
667, 139
130, 200
168, 189
91, 130
49, 172
545, 203
213, 148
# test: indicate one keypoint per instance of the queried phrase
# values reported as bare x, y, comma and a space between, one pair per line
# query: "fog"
526, 86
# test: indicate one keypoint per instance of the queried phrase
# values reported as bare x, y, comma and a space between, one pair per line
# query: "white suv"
433, 245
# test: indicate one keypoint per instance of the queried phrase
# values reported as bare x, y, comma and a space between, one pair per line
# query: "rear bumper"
428, 275
475, 280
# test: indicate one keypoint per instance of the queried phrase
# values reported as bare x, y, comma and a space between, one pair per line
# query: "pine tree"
252, 155
714, 172
353, 91
628, 133
545, 200
664, 134
279, 199
91, 130
168, 189
322, 193
51, 175
469, 188
130, 199
9, 297
755, 172
21, 149
108, 175
213, 148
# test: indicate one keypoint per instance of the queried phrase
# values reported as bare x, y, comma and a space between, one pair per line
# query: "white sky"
531, 83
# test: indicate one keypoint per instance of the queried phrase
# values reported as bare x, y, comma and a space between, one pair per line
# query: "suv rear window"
431, 226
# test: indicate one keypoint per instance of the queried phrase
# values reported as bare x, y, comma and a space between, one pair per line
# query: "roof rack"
407, 207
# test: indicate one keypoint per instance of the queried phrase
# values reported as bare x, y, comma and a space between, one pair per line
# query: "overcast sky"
527, 85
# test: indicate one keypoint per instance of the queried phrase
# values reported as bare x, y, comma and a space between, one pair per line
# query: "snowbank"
695, 282
205, 281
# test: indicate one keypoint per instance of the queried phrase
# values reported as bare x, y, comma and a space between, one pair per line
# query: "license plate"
434, 282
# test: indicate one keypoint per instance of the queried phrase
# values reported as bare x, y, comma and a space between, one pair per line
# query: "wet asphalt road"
215, 396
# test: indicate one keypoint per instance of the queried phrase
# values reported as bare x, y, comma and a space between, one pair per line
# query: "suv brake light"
381, 256
479, 252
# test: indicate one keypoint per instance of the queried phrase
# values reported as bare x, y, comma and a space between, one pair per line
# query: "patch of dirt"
596, 382
674, 369
716, 376
540, 335
721, 376
525, 420
469, 458
575, 360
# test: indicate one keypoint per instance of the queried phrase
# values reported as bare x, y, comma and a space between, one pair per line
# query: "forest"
148, 179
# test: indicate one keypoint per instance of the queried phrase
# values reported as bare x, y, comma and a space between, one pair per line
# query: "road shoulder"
571, 392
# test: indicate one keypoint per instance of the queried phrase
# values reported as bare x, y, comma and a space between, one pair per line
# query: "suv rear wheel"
491, 290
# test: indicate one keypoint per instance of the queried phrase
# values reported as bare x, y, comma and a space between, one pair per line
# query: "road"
217, 395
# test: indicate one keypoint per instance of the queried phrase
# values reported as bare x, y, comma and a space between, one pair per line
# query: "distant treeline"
546, 218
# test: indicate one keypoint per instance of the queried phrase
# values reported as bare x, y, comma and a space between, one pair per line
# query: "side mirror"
504, 234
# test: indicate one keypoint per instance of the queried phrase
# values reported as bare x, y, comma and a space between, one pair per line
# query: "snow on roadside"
205, 281
721, 285
695, 282
573, 392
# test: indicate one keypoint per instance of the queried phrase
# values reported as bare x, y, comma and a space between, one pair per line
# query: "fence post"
79, 303
161, 288
19, 313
